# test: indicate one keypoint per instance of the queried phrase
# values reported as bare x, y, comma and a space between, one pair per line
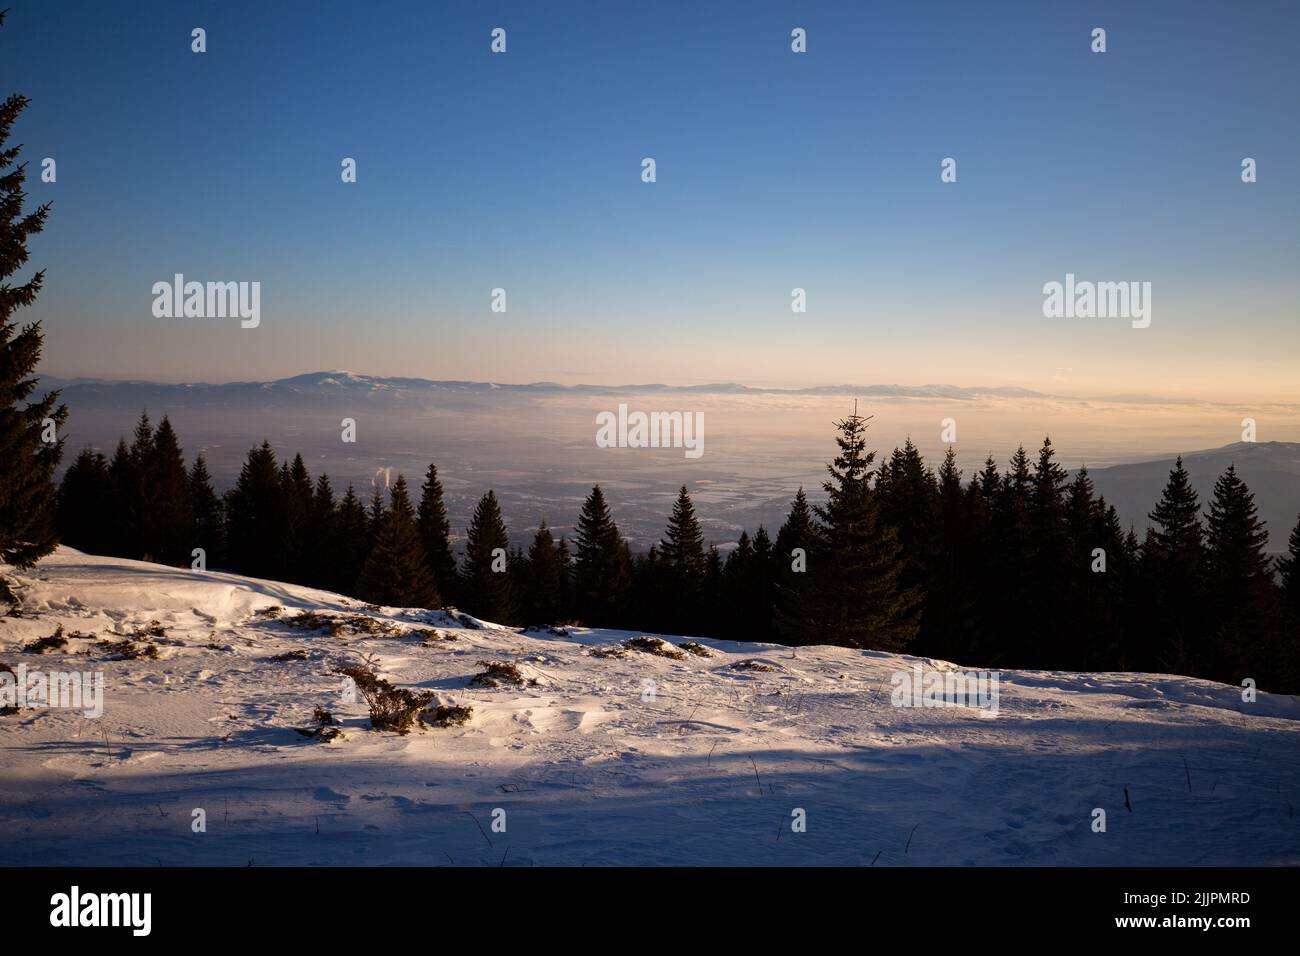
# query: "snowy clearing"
589, 762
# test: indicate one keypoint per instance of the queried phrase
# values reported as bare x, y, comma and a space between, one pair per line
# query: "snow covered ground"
591, 764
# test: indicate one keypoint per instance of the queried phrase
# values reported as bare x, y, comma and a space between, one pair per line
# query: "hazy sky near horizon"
775, 170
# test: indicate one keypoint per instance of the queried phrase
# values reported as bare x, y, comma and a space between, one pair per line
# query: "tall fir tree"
540, 595
169, 499
601, 570
30, 443
435, 536
1173, 559
856, 597
208, 528
682, 554
85, 506
322, 533
140, 515
255, 516
1241, 593
351, 543
795, 540
395, 573
486, 584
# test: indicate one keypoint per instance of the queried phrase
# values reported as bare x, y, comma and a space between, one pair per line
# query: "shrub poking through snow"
607, 650
391, 708
447, 715
46, 645
322, 726
152, 629
696, 648
131, 649
336, 625
295, 655
653, 645
750, 665
436, 636
273, 611
496, 673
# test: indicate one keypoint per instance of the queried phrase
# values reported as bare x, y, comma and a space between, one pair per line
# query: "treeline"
1023, 567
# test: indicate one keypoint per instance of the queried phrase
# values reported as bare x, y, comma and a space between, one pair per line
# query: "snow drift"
606, 753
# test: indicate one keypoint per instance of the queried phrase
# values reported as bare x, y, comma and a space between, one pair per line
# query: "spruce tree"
140, 516
486, 585
169, 504
208, 528
1048, 570
321, 534
1241, 591
296, 492
795, 540
601, 569
950, 621
351, 544
435, 536
28, 496
85, 505
395, 574
564, 599
857, 600
540, 597
1174, 562
682, 553
255, 516
125, 537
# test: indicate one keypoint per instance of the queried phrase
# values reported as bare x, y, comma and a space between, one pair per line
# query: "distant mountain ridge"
336, 383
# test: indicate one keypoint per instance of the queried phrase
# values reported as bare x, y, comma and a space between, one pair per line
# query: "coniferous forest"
1022, 566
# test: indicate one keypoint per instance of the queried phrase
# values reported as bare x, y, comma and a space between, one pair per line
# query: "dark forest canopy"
1018, 567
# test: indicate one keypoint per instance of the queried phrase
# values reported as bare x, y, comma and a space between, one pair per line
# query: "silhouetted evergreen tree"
564, 562
435, 536
208, 523
682, 554
1173, 561
296, 493
85, 506
795, 540
486, 591
141, 517
169, 503
352, 543
255, 516
855, 597
125, 538
395, 573
601, 572
950, 625
321, 534
540, 594
1049, 644
28, 495
1241, 593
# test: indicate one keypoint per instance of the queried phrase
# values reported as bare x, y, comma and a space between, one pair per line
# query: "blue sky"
775, 170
